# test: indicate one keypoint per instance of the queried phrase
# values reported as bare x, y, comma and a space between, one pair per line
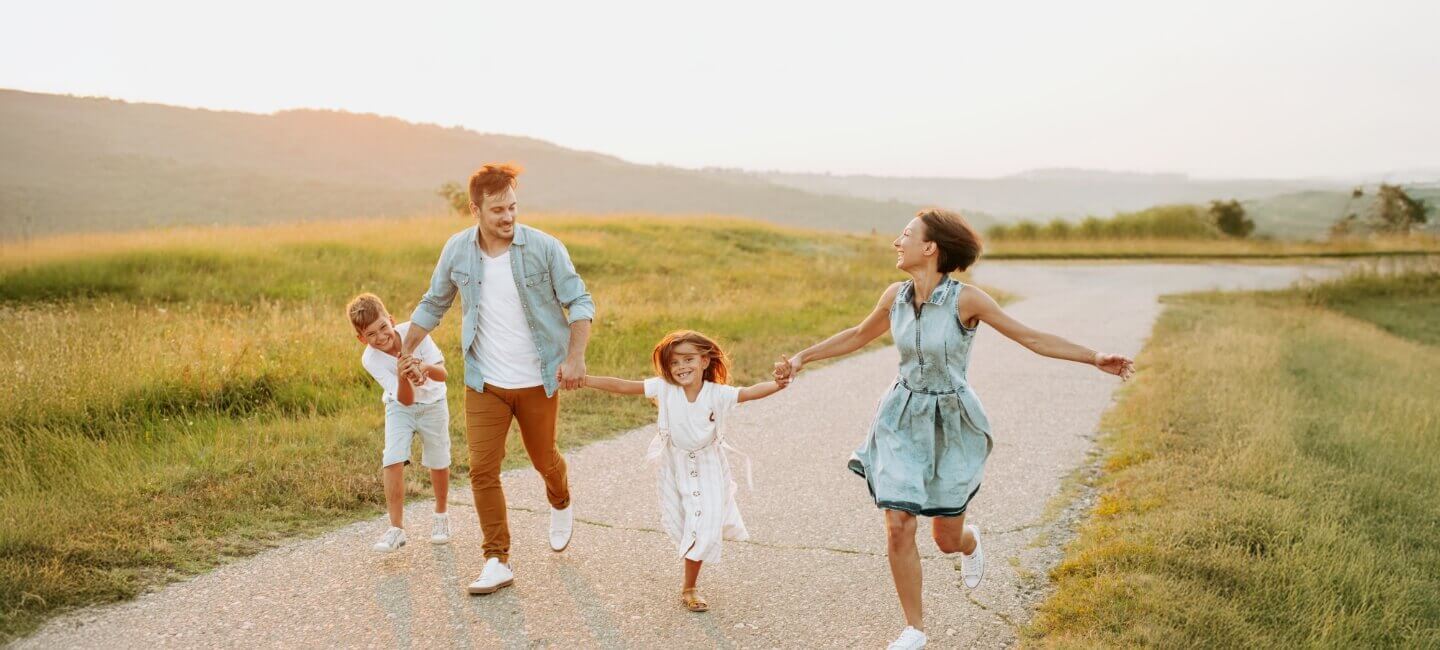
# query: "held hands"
1115, 364
412, 369
571, 374
786, 369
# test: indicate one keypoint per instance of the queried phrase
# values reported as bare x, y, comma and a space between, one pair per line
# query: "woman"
926, 449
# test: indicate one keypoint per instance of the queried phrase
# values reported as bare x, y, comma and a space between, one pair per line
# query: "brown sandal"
693, 601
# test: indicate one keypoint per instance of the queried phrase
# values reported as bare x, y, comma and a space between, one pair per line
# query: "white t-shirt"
505, 348
385, 369
693, 424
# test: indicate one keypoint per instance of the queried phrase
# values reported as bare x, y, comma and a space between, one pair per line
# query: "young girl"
697, 494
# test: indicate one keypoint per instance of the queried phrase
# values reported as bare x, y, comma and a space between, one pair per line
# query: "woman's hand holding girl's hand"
1115, 364
786, 370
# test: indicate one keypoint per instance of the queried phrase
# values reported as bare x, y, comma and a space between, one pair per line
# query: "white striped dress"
697, 493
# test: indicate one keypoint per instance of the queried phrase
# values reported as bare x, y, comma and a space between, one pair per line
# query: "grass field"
1141, 248
1270, 478
176, 399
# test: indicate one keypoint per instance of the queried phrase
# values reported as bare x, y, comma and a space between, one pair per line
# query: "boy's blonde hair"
364, 310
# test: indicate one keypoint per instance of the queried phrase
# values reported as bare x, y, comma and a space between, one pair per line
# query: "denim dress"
926, 447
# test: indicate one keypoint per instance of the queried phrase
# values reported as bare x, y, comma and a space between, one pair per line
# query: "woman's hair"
719, 369
959, 243
492, 179
364, 310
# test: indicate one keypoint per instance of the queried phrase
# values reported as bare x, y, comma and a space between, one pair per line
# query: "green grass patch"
175, 399
1269, 479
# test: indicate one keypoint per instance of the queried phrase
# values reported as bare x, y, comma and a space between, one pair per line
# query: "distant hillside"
1064, 193
72, 164
1308, 215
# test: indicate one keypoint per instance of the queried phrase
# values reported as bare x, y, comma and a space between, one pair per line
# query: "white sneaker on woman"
391, 540
910, 639
493, 577
972, 566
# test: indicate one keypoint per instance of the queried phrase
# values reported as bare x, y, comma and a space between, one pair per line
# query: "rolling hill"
1282, 208
88, 164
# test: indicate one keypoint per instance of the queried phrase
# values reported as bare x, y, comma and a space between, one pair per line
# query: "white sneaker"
562, 526
496, 576
391, 540
440, 530
910, 639
972, 566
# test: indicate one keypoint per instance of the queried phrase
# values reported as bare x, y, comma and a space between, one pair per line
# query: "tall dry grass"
1270, 479
174, 399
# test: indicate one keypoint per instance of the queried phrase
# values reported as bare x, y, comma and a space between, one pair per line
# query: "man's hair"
719, 369
959, 244
492, 179
364, 310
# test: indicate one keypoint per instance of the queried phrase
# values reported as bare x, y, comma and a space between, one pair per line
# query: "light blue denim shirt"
551, 293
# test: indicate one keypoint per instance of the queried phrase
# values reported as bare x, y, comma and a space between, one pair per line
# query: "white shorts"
431, 421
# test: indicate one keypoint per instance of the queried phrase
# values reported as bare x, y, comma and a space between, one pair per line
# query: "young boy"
414, 397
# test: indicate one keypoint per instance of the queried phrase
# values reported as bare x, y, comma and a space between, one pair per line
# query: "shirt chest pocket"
541, 279
465, 284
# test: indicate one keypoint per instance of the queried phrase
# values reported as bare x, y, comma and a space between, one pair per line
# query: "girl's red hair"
719, 370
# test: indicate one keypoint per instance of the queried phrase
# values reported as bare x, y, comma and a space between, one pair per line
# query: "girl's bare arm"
614, 385
760, 390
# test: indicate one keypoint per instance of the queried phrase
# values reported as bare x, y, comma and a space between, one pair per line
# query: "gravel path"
814, 573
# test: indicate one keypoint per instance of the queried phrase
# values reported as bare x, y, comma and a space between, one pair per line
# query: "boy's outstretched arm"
762, 389
615, 385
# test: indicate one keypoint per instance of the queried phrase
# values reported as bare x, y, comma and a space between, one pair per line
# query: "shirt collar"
521, 234
937, 297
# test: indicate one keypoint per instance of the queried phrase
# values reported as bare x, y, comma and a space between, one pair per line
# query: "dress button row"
694, 473
696, 493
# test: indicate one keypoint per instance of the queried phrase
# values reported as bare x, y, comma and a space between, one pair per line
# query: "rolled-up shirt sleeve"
569, 288
437, 298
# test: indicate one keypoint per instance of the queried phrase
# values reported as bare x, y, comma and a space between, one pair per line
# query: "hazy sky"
1251, 88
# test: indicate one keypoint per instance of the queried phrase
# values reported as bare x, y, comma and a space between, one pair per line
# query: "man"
523, 335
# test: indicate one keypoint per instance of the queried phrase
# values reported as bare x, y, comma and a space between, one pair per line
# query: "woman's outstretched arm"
975, 304
844, 342
614, 385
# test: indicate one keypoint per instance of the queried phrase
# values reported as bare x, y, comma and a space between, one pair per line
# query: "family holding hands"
524, 331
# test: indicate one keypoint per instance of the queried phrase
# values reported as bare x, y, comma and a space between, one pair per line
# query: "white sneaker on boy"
391, 540
494, 577
440, 530
910, 639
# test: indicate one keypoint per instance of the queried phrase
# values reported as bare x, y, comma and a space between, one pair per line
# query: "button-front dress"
927, 444
697, 493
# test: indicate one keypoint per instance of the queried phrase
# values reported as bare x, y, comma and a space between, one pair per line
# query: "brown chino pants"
487, 421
